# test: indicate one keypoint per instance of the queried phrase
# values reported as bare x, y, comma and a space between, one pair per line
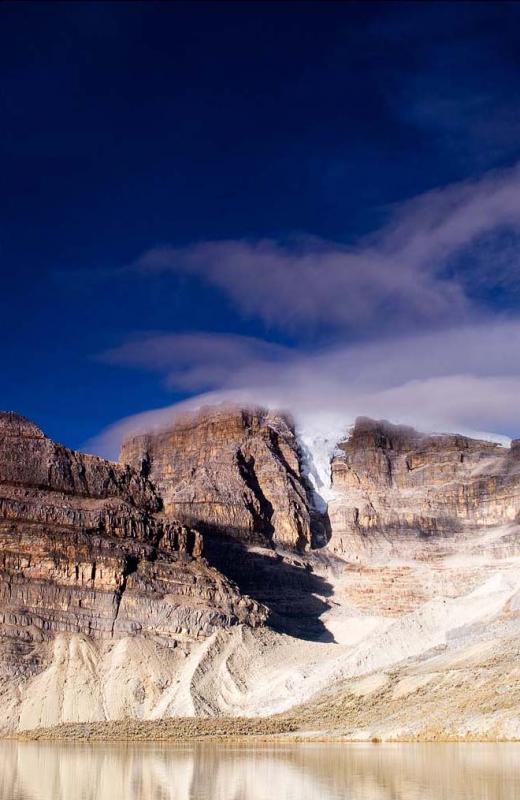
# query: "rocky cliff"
232, 471
139, 590
85, 549
392, 482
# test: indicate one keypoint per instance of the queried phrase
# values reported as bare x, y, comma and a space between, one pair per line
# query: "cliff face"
239, 473
121, 585
391, 481
84, 549
231, 471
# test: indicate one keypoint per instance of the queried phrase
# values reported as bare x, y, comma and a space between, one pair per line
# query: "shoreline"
238, 730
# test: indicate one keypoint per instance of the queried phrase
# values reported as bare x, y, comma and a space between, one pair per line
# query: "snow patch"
319, 436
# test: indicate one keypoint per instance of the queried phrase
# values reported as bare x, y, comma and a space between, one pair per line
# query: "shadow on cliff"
285, 584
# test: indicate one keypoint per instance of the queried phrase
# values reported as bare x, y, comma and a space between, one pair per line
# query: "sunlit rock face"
122, 586
402, 486
85, 549
232, 471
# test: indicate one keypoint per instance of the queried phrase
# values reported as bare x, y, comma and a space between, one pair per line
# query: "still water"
272, 772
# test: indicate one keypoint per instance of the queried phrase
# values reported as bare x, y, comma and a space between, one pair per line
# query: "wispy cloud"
465, 379
400, 276
407, 336
198, 361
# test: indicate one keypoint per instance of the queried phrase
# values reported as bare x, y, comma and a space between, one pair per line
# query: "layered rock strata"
85, 549
231, 471
392, 483
99, 579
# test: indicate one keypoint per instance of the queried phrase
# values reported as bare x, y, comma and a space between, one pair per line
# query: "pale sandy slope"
423, 647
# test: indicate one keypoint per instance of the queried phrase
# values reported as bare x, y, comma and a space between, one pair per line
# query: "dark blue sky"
127, 126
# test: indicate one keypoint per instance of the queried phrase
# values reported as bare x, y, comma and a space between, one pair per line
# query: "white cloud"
196, 361
397, 277
464, 379
439, 362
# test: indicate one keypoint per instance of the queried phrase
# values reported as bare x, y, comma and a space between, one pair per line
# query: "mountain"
199, 578
395, 482
234, 471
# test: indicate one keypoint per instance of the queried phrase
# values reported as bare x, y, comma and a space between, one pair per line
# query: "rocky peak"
13, 424
85, 549
29, 458
380, 433
392, 479
122, 570
515, 448
230, 471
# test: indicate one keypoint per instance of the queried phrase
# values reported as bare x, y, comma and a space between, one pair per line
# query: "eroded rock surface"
413, 605
85, 549
231, 471
392, 482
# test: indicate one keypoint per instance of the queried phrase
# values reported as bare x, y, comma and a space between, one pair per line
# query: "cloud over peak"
407, 336
463, 379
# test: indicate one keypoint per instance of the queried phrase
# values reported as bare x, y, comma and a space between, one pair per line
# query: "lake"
50, 771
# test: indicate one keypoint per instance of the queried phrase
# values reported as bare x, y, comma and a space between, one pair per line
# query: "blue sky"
256, 197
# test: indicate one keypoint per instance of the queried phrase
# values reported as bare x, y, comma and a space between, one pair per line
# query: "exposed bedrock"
106, 568
231, 470
84, 548
394, 484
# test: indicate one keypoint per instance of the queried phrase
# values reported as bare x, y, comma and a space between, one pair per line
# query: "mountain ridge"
199, 579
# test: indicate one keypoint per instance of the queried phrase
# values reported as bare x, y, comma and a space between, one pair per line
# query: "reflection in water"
49, 771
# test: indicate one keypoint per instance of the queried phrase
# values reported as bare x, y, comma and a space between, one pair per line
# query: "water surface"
49, 771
